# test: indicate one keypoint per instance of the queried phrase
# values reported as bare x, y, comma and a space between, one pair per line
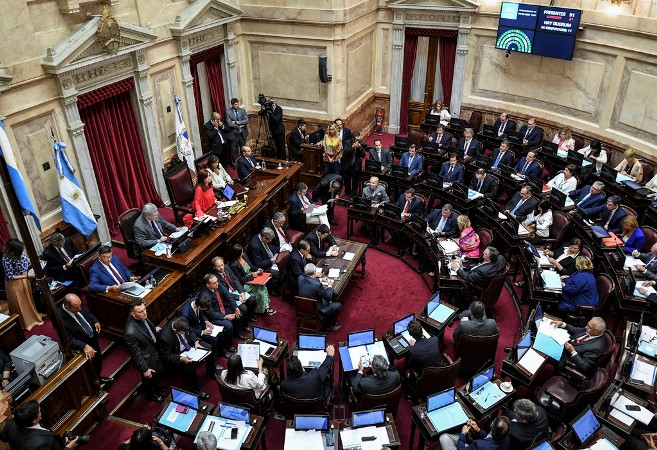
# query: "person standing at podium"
18, 286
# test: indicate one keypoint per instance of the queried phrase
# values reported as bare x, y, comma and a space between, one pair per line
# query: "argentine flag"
75, 207
183, 146
16, 178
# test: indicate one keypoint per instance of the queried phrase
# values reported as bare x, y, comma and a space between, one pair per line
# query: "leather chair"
545, 173
486, 237
475, 121
87, 263
389, 400
475, 351
651, 237
308, 318
560, 224
586, 251
127, 227
605, 287
434, 379
571, 371
179, 185
416, 137
493, 292
291, 406
579, 142
247, 398
648, 171
202, 162
629, 211
563, 401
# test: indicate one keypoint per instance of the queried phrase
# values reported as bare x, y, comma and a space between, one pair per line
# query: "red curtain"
4, 231
216, 82
410, 45
447, 54
117, 155
212, 60
197, 97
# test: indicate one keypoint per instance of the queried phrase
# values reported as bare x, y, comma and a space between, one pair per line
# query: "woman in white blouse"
564, 140
236, 376
437, 110
595, 152
540, 226
218, 174
565, 181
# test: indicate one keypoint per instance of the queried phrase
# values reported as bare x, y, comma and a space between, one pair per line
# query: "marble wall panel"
634, 110
359, 67
163, 85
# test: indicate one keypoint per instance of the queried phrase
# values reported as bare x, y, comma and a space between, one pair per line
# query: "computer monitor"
362, 203
576, 158
440, 399
550, 147
391, 210
630, 283
538, 316
357, 338
185, 398
401, 141
460, 190
489, 130
233, 412
433, 303
607, 173
372, 166
399, 171
312, 342
530, 247
557, 197
229, 192
585, 425
523, 344
372, 417
265, 334
430, 147
316, 136
201, 228
319, 422
146, 277
515, 137
401, 325
482, 378
484, 161
431, 119
506, 170
458, 123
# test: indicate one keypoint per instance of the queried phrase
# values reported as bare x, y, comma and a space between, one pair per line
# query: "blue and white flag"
183, 145
16, 177
75, 207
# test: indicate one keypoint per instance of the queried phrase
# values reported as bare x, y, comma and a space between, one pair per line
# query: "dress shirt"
520, 203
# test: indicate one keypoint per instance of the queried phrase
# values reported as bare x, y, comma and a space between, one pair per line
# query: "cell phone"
632, 408
270, 351
233, 433
182, 409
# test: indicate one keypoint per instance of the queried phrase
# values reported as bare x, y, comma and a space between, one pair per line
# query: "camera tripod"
263, 130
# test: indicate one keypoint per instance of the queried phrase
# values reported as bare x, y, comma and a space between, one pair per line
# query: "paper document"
648, 334
177, 234
3, 317
543, 260
517, 177
648, 349
334, 273
447, 417
196, 354
501, 216
311, 358
226, 204
631, 261
407, 335
551, 279
620, 178
622, 417
643, 415
650, 289
522, 231
549, 340
226, 442
352, 439
250, 354
449, 246
642, 371
603, 444
348, 256
178, 421
487, 395
531, 361
318, 210
302, 440
472, 195
569, 202
264, 346
216, 329
441, 313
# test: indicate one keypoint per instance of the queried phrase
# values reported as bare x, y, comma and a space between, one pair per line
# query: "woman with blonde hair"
18, 286
579, 289
631, 235
468, 239
631, 166
332, 150
564, 140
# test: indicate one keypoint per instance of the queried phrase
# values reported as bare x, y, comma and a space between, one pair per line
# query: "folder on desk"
620, 178
547, 342
551, 279
472, 195
650, 289
531, 361
441, 313
448, 417
487, 395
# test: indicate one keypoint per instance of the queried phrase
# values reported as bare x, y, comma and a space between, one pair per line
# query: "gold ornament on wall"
109, 32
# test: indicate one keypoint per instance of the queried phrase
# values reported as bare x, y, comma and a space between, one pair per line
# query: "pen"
486, 399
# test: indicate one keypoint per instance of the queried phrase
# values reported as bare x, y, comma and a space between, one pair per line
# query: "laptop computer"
460, 191
402, 142
445, 401
558, 198
523, 345
357, 338
319, 422
506, 170
435, 312
637, 188
607, 173
399, 342
431, 119
234, 412
458, 124
185, 398
399, 171
229, 192
484, 162
585, 426
545, 445
373, 417
480, 379
390, 210
268, 340
312, 349
515, 137
599, 231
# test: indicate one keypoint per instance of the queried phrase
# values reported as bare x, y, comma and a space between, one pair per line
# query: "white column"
188, 99
396, 72
459, 64
231, 66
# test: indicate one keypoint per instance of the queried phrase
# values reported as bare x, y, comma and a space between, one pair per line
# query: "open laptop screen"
440, 399
311, 422
524, 343
586, 425
312, 342
265, 334
368, 418
229, 192
228, 411
185, 398
365, 337
482, 378
401, 325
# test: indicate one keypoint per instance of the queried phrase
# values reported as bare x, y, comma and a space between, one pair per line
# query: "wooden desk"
347, 268
638, 388
275, 359
367, 216
334, 427
611, 421
252, 440
427, 431
11, 334
111, 308
570, 442
477, 410
433, 326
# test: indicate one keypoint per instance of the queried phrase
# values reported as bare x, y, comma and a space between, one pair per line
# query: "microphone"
606, 403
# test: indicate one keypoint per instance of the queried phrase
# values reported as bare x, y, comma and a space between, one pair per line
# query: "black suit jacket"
525, 209
276, 124
588, 352
475, 327
309, 384
276, 243
473, 149
169, 345
510, 125
30, 439
347, 137
76, 333
56, 262
297, 138
244, 276
315, 249
258, 254
525, 435
243, 166
143, 350
386, 157
425, 353
294, 268
481, 275
506, 159
414, 209
215, 145
615, 222
321, 191
488, 186
535, 137
568, 263
369, 384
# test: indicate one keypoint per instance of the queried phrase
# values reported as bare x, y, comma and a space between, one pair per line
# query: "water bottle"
152, 281
168, 252
264, 165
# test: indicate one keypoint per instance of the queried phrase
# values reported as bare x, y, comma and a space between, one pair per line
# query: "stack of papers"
643, 371
643, 415
302, 440
474, 194
551, 279
631, 261
195, 354
449, 246
550, 339
318, 210
334, 273
177, 234
543, 260
501, 216
311, 358
348, 256
531, 361
522, 231
603, 444
353, 438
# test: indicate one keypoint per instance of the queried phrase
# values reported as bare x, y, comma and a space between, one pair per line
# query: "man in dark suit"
308, 385
443, 139
107, 273
140, 336
451, 170
237, 121
384, 377
423, 352
24, 432
481, 274
263, 255
219, 313
522, 204
233, 293
586, 346
484, 184
528, 166
310, 286
532, 135
281, 235
504, 125
216, 131
409, 204
150, 228
82, 329
59, 258
502, 155
529, 424
194, 311
412, 161
344, 133
443, 222
468, 145
277, 128
611, 215
322, 243
299, 201
296, 264
328, 190
477, 325
588, 199
175, 339
649, 268
497, 439
351, 163
297, 139
246, 163
381, 155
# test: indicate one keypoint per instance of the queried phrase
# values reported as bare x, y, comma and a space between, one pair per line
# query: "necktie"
581, 339
441, 224
438, 138
502, 127
527, 133
449, 172
64, 255
84, 324
280, 230
525, 168
609, 219
378, 155
319, 242
518, 206
410, 161
145, 326
184, 342
497, 160
221, 304
465, 148
479, 185
303, 200
584, 199
156, 229
408, 204
267, 249
115, 274
230, 286
250, 162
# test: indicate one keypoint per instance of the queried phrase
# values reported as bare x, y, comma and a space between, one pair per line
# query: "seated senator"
296, 264
563, 258
322, 243
443, 222
375, 192
381, 155
150, 228
611, 214
312, 384
246, 164
59, 259
220, 177
586, 346
441, 138
564, 140
310, 286
540, 225
482, 274
245, 272
437, 109
263, 255
529, 424
631, 166
565, 181
631, 234
384, 378
237, 376
452, 171
468, 238
497, 439
502, 155
595, 152
203, 197
532, 135
588, 199
580, 288
528, 166
484, 184
107, 273
412, 161
423, 352
521, 204
409, 204
299, 203
468, 145
504, 125
477, 325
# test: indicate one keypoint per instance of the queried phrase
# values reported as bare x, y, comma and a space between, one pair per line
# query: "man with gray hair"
150, 228
310, 286
206, 441
529, 424
59, 259
282, 239
443, 222
588, 199
384, 378
263, 255
586, 346
468, 145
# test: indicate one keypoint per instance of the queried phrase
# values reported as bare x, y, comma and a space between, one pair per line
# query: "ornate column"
459, 63
75, 126
231, 64
396, 71
152, 149
188, 95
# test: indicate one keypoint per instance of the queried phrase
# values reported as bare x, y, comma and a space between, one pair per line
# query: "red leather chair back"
475, 121
486, 237
476, 350
651, 237
560, 223
416, 137
648, 171
127, 228
390, 400
436, 379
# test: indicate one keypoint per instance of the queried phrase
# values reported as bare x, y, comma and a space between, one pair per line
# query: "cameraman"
145, 439
277, 127
24, 432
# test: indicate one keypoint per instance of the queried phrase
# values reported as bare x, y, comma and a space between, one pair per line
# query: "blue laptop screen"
229, 192
482, 378
586, 426
402, 325
360, 338
545, 445
440, 399
312, 342
185, 398
433, 304
524, 343
266, 335
539, 315
311, 422
367, 418
234, 412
